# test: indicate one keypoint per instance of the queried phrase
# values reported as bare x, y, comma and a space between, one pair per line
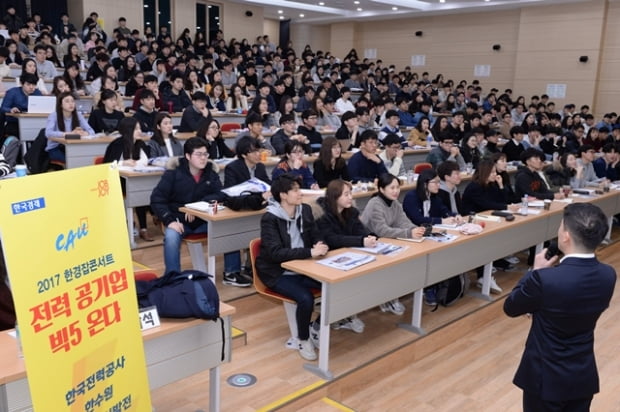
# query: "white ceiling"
332, 11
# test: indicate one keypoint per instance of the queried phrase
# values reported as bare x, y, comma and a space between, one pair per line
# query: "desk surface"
12, 367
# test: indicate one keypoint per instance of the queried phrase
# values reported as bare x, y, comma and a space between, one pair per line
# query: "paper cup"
21, 170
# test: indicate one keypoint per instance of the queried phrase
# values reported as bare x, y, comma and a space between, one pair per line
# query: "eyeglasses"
435, 181
216, 127
201, 154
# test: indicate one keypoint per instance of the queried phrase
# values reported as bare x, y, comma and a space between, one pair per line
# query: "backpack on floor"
10, 150
450, 290
36, 158
187, 294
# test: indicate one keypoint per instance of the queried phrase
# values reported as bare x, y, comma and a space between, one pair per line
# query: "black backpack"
36, 158
187, 294
450, 290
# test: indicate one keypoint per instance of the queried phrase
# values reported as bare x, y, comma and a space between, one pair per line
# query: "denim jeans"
232, 262
298, 288
172, 245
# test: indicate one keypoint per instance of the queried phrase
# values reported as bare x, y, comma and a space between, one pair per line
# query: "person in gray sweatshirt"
288, 232
384, 216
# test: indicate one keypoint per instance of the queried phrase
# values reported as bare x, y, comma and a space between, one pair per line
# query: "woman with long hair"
339, 223
108, 83
260, 106
30, 66
211, 132
128, 69
130, 150
236, 101
384, 216
134, 83
423, 205
106, 116
486, 191
565, 170
192, 83
63, 121
420, 133
330, 165
73, 79
163, 143
217, 97
72, 56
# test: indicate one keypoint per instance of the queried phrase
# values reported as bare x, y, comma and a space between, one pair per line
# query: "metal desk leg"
610, 222
211, 267
485, 294
323, 369
214, 389
132, 240
416, 316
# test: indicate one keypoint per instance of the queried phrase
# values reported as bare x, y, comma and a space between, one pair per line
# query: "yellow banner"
67, 253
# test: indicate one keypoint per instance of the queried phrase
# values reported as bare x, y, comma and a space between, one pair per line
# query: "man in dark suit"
558, 370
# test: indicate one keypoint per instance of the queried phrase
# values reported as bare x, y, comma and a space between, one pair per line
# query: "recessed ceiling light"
394, 8
359, 9
356, 2
321, 3
281, 17
442, 1
280, 11
301, 15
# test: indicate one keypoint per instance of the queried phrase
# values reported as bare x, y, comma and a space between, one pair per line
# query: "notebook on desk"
41, 104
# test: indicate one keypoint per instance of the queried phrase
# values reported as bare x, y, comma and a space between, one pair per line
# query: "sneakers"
236, 279
393, 306
315, 333
494, 287
430, 296
503, 264
512, 259
306, 350
352, 323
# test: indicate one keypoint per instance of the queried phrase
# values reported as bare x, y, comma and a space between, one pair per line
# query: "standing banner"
67, 253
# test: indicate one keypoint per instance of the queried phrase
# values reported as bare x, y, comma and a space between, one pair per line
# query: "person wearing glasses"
211, 131
194, 179
293, 162
424, 206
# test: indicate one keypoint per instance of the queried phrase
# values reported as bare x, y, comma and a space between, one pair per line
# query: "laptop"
41, 104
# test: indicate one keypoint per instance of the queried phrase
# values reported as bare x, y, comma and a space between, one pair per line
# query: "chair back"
145, 275
98, 160
254, 252
420, 167
227, 127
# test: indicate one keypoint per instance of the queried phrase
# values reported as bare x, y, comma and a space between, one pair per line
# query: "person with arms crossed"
558, 369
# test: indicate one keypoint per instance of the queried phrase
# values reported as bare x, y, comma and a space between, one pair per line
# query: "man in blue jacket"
558, 370
193, 180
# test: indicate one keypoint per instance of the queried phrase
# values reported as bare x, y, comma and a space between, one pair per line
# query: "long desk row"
31, 123
177, 349
421, 264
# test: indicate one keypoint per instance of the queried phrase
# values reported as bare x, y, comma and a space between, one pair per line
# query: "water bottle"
239, 110
524, 205
429, 141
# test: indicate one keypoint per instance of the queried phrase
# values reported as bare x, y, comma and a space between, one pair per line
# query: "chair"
290, 306
420, 167
196, 252
194, 245
145, 275
227, 127
98, 160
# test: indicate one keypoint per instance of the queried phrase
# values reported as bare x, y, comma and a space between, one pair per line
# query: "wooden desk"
82, 152
424, 264
177, 349
228, 231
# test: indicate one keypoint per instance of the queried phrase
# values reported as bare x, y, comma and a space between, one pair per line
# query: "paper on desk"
567, 200
203, 206
148, 169
536, 203
249, 186
446, 226
93, 136
443, 238
533, 211
346, 260
382, 249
